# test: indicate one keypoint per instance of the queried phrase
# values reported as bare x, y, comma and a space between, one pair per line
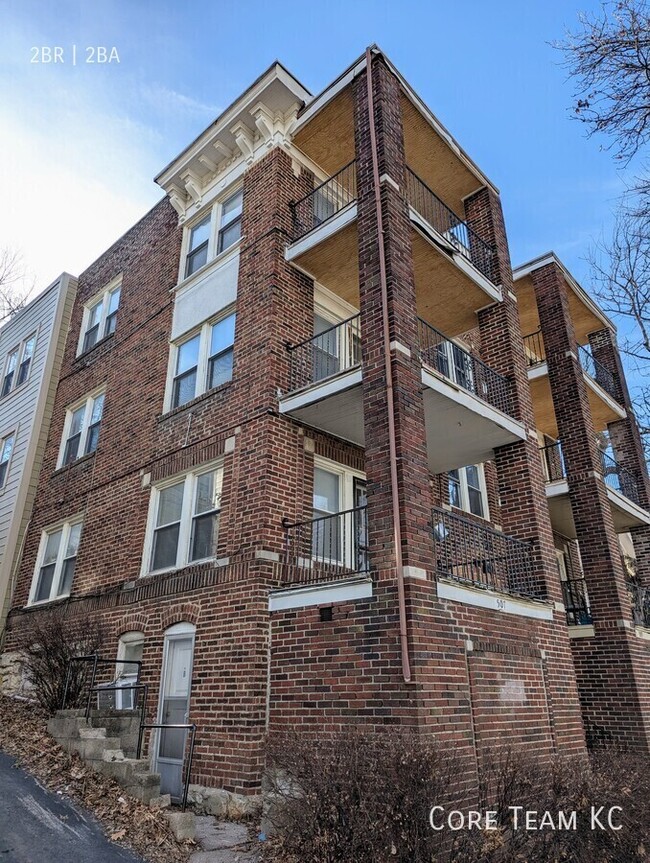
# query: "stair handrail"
187, 726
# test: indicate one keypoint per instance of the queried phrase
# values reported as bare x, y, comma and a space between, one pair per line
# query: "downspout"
390, 401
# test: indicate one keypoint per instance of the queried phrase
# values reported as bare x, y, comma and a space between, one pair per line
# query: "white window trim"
348, 476
89, 401
464, 492
185, 529
20, 347
13, 433
214, 211
102, 296
204, 355
66, 526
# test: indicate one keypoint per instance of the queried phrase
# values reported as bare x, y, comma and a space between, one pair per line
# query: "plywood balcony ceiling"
328, 139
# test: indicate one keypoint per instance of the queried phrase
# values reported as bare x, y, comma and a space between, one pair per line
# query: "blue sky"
79, 145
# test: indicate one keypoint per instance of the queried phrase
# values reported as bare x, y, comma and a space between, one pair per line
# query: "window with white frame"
100, 317
129, 654
467, 489
339, 530
56, 561
18, 365
214, 233
202, 360
184, 520
81, 429
6, 448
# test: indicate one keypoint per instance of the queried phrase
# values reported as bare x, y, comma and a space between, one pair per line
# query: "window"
129, 652
340, 531
100, 317
214, 233
56, 562
81, 429
184, 521
467, 489
6, 448
18, 365
203, 361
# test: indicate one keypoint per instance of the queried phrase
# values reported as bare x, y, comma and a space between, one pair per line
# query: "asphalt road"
38, 826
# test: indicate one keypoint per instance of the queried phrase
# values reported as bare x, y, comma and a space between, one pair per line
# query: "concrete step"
92, 733
94, 748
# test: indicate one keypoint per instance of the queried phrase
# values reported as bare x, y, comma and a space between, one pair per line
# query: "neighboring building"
295, 468
598, 494
31, 350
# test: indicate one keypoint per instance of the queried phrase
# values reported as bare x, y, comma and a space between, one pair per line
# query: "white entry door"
174, 710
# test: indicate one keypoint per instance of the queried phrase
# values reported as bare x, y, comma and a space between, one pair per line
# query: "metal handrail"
188, 727
619, 478
324, 201
96, 660
578, 611
462, 367
333, 541
534, 348
597, 371
475, 554
326, 354
451, 227
144, 687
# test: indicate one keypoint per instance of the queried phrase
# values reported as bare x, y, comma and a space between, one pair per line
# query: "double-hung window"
100, 317
6, 448
203, 360
467, 489
18, 365
56, 561
214, 233
81, 429
184, 521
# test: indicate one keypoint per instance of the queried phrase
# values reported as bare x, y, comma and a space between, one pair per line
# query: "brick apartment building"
296, 467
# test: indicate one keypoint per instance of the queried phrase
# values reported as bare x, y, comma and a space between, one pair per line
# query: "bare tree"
609, 58
14, 292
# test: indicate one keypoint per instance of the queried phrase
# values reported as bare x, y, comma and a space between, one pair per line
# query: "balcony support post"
611, 710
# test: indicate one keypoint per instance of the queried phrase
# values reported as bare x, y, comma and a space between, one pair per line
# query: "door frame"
177, 632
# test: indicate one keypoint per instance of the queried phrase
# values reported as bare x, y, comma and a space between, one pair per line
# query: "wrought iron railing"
466, 370
597, 371
325, 355
576, 602
553, 462
619, 478
481, 556
172, 729
84, 682
327, 199
337, 542
534, 348
451, 227
641, 604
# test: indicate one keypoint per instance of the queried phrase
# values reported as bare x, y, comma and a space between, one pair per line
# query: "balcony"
622, 491
641, 605
576, 602
466, 403
480, 557
336, 544
324, 234
600, 387
454, 268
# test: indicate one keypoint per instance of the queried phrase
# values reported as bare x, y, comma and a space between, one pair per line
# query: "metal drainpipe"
390, 402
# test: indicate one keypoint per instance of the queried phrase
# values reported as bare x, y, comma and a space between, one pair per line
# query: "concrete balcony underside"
604, 409
625, 513
461, 428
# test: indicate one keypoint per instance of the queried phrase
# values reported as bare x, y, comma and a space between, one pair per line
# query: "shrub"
48, 643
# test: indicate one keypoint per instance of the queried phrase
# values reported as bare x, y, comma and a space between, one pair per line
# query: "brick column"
413, 485
274, 306
604, 664
626, 442
524, 509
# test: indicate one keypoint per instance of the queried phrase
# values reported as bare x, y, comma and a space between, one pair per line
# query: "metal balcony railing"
336, 542
553, 462
327, 199
576, 602
619, 478
325, 355
641, 604
534, 348
461, 367
451, 227
478, 555
597, 371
